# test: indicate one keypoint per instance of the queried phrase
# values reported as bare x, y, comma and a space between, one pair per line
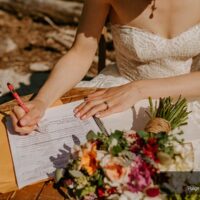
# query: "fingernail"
97, 115
23, 122
77, 114
84, 117
36, 128
75, 110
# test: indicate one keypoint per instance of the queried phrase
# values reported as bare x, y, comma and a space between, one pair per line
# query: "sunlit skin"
167, 19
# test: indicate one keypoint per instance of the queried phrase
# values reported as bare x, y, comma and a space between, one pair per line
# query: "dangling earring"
153, 8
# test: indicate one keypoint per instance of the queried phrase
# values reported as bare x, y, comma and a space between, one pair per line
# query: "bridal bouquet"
123, 165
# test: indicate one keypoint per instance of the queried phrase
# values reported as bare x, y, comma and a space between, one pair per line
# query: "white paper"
119, 121
37, 155
136, 118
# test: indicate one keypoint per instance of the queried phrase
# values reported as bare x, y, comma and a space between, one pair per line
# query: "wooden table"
45, 190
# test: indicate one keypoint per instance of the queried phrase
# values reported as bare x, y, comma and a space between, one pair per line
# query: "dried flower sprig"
175, 113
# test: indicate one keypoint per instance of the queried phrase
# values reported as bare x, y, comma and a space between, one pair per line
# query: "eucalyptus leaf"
100, 181
59, 174
143, 134
76, 173
116, 150
126, 163
117, 134
114, 197
127, 154
91, 136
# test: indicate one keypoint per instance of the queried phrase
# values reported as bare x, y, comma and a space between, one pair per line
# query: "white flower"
113, 143
100, 155
178, 148
76, 148
127, 195
130, 136
183, 161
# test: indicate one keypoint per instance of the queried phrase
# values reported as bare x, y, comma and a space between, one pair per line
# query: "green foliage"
91, 136
144, 135
116, 135
85, 191
76, 173
121, 143
59, 174
116, 150
106, 141
183, 197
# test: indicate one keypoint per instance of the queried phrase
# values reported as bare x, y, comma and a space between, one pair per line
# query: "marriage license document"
36, 156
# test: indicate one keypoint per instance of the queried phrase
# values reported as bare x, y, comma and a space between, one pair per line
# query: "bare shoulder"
93, 17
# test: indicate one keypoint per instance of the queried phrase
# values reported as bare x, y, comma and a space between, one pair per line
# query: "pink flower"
140, 176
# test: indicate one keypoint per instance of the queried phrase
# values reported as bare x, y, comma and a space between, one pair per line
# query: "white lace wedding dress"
144, 55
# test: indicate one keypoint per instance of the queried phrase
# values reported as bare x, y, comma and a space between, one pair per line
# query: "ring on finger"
107, 105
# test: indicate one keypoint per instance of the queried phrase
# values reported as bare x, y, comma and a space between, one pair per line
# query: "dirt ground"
28, 51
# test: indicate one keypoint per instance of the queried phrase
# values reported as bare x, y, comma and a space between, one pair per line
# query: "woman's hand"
25, 123
108, 101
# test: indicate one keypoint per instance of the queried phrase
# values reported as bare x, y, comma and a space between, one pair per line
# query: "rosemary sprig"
175, 113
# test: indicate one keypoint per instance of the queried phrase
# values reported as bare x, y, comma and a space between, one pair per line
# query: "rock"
39, 67
7, 45
12, 76
10, 45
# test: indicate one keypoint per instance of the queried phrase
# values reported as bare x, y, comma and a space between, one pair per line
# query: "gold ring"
107, 105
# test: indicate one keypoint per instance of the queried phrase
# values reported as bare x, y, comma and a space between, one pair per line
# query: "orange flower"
115, 171
88, 159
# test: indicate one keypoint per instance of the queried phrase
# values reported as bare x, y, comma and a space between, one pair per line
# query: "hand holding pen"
17, 97
25, 116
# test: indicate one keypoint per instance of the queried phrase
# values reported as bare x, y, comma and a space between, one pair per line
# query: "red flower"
135, 148
153, 192
151, 148
111, 190
152, 141
152, 169
149, 153
100, 192
137, 145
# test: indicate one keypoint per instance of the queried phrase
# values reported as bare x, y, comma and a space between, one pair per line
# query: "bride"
157, 44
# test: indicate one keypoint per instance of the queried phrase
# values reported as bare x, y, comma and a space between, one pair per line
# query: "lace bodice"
145, 55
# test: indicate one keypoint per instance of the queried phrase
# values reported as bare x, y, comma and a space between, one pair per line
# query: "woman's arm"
70, 69
123, 97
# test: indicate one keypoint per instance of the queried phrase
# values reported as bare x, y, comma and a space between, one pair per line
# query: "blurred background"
34, 34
